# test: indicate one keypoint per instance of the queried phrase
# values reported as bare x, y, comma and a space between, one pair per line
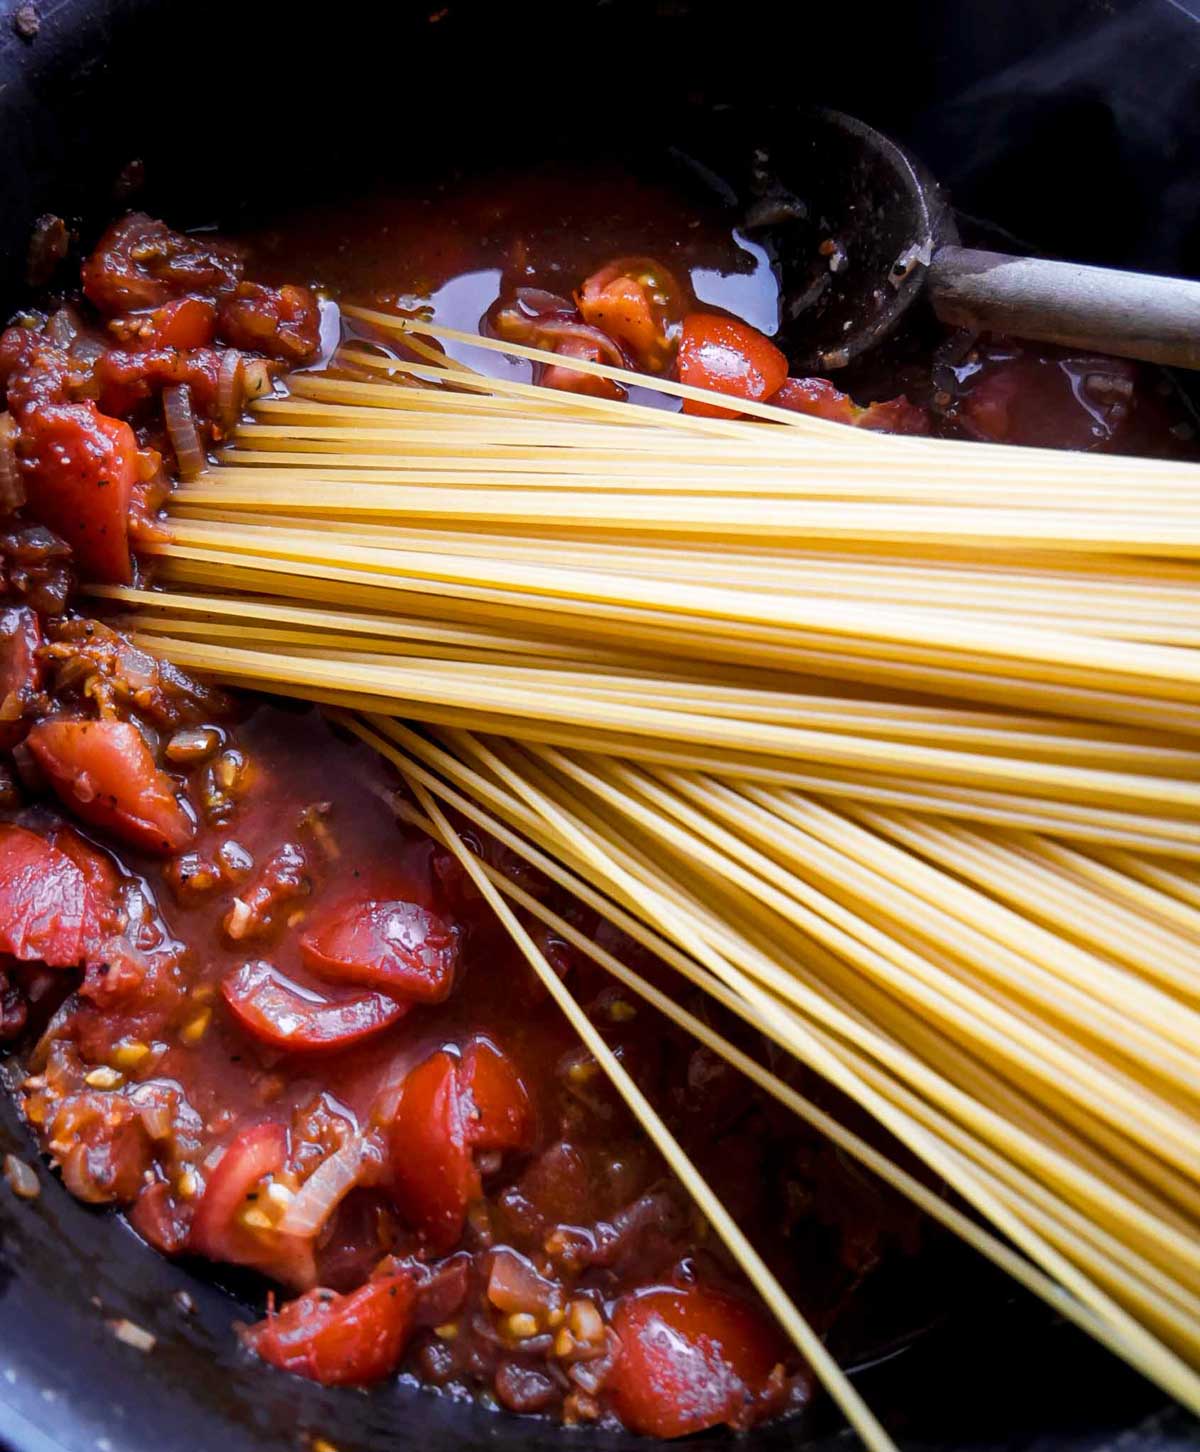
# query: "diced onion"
12, 490
514, 1285
257, 377
181, 427
324, 1190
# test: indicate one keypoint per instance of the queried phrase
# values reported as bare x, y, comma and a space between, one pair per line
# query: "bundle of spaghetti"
888, 744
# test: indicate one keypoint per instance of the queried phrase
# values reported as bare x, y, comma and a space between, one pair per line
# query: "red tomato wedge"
433, 1173
341, 1340
638, 302
104, 772
45, 907
497, 1112
692, 1359
219, 1230
186, 322
80, 468
281, 1014
820, 399
20, 671
570, 380
728, 356
399, 947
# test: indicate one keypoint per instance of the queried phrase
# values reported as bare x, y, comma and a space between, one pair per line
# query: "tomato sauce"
276, 1026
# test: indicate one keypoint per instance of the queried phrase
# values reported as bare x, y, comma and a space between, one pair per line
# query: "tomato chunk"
818, 398
20, 670
186, 322
728, 356
280, 1013
283, 322
571, 380
79, 468
433, 1174
692, 1359
225, 1227
396, 946
341, 1340
104, 772
44, 902
142, 263
497, 1112
638, 302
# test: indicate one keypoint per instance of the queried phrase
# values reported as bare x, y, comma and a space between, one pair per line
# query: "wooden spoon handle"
1129, 314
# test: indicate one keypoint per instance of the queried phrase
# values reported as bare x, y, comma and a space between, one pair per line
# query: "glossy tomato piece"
497, 1111
283, 322
637, 301
691, 1359
44, 902
20, 670
728, 356
433, 1173
142, 263
283, 1015
223, 1227
104, 772
185, 322
79, 468
341, 1340
399, 947
818, 398
571, 380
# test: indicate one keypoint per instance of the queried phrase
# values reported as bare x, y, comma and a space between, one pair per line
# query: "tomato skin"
570, 380
275, 1011
104, 772
819, 398
636, 301
216, 1230
20, 669
79, 468
45, 907
185, 322
341, 1340
498, 1114
692, 1359
283, 322
399, 947
433, 1173
728, 356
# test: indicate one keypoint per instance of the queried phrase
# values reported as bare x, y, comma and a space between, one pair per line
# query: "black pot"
1071, 124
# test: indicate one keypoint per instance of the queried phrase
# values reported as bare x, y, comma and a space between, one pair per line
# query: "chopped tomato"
283, 322
280, 1013
571, 380
692, 1359
44, 902
433, 1174
79, 468
126, 379
20, 670
497, 1114
186, 322
341, 1340
100, 876
104, 772
142, 263
224, 1227
638, 302
728, 356
397, 946
819, 398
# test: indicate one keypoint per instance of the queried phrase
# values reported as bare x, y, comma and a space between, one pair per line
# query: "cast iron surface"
1072, 123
